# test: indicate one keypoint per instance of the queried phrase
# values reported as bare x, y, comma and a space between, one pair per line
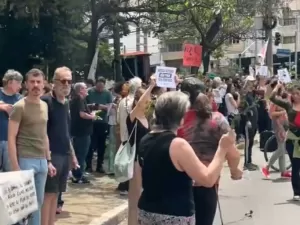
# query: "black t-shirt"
58, 127
80, 127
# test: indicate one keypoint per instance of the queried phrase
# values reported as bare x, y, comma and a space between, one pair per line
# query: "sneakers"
123, 193
83, 180
265, 172
250, 167
296, 198
286, 174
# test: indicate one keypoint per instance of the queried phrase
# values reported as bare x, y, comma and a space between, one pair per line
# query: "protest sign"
261, 71
284, 76
17, 196
165, 77
192, 55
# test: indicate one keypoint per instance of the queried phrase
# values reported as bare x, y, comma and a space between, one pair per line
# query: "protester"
81, 129
293, 112
28, 143
101, 98
9, 95
203, 130
137, 119
60, 145
124, 108
169, 164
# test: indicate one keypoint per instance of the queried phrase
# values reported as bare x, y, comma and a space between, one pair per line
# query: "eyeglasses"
65, 81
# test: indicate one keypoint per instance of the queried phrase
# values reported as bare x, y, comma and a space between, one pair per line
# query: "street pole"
240, 63
256, 47
296, 54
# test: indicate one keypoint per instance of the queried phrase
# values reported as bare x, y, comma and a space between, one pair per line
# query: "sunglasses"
65, 81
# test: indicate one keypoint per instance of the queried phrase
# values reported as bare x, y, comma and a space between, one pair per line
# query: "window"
173, 47
234, 41
289, 21
288, 40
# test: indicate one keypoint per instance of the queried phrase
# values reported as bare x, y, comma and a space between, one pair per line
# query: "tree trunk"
92, 43
205, 60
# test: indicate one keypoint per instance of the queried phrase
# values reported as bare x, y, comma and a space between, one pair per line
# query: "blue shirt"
8, 99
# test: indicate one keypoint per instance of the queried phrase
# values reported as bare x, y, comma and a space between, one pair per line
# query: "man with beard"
28, 143
59, 140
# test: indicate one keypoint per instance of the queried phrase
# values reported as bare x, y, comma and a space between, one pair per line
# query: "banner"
192, 55
17, 196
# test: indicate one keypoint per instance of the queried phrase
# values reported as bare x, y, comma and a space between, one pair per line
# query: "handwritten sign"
284, 76
261, 71
165, 77
17, 196
192, 55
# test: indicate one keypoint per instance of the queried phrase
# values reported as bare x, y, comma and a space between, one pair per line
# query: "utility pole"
268, 30
117, 46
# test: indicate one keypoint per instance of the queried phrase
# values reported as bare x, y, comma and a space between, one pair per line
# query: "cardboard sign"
261, 71
165, 77
284, 76
192, 55
17, 196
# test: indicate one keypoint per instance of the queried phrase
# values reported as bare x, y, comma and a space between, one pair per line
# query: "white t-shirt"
230, 108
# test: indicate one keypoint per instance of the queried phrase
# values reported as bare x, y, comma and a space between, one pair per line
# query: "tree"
211, 24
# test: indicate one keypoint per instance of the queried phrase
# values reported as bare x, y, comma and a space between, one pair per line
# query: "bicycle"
271, 146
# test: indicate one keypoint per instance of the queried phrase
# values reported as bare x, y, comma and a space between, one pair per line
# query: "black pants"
248, 152
296, 176
123, 186
205, 205
237, 126
98, 144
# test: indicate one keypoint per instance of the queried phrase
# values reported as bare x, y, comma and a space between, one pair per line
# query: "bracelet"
49, 161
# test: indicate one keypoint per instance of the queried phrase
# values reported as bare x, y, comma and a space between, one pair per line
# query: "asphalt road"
270, 200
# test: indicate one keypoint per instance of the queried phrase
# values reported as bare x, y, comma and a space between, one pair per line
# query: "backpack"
222, 107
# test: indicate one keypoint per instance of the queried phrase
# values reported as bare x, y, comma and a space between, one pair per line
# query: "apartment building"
287, 25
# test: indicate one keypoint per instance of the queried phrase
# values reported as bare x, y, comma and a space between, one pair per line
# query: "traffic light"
277, 38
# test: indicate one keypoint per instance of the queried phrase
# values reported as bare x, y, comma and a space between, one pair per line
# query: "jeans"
250, 140
4, 160
81, 147
40, 168
296, 176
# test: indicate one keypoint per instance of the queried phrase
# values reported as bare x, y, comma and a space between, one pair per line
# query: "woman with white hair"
169, 165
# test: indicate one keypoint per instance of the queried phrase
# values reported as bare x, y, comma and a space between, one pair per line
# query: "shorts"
58, 183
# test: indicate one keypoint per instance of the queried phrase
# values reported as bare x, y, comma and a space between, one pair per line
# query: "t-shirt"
79, 126
203, 136
230, 108
58, 125
32, 119
102, 98
8, 99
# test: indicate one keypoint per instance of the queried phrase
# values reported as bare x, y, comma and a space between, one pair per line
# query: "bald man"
59, 140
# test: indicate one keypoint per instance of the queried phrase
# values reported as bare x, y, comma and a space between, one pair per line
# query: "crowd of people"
183, 136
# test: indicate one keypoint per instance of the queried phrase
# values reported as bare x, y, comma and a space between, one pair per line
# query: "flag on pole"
93, 68
262, 54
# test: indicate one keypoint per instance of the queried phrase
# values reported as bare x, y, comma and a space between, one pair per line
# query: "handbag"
124, 159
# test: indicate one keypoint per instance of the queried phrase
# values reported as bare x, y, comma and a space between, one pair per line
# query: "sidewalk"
86, 202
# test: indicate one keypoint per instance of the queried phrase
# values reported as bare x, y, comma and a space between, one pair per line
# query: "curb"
112, 217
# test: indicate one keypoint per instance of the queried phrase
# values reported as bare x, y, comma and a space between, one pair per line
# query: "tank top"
166, 190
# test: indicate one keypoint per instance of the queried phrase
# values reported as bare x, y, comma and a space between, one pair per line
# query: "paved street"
268, 199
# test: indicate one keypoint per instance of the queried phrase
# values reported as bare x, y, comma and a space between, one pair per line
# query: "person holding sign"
28, 143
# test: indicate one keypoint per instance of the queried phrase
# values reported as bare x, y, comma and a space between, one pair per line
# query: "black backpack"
222, 107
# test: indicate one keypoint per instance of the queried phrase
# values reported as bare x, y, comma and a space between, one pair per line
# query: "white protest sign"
261, 71
165, 77
17, 196
284, 76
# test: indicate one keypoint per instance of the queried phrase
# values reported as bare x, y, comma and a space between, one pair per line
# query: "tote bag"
124, 160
